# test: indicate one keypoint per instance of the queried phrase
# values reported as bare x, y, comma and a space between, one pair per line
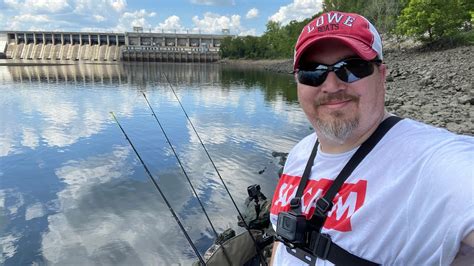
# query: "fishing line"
186, 175
262, 258
161, 192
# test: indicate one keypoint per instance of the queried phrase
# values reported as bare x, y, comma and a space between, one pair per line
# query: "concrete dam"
106, 47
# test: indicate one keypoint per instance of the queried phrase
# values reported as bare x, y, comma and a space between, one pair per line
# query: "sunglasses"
348, 70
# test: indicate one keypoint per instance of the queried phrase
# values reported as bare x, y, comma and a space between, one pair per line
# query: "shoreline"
432, 86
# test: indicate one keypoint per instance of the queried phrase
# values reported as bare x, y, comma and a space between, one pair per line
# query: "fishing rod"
161, 192
186, 175
262, 258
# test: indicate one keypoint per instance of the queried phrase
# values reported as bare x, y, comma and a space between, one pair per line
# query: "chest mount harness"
304, 238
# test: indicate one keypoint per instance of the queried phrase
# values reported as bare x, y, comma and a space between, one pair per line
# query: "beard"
337, 129
340, 125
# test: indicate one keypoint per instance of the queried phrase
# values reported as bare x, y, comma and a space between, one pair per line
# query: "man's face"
340, 110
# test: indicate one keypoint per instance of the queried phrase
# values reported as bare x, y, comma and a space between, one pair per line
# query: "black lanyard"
321, 244
324, 204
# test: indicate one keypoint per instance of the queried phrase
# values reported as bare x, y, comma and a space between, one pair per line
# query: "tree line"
425, 20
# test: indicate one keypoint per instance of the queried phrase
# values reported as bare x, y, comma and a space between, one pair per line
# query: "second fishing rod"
186, 175
257, 246
155, 183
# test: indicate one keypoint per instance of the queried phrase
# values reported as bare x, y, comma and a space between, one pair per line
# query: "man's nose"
332, 84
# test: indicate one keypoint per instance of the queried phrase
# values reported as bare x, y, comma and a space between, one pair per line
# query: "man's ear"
383, 70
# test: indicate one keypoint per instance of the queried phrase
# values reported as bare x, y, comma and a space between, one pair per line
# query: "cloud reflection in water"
90, 199
105, 216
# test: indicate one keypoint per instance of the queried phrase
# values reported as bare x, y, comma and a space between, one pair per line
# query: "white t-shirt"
409, 202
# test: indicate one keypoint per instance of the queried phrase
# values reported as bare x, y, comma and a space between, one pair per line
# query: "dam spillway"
107, 47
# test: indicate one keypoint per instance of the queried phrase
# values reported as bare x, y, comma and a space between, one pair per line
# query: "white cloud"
6, 144
31, 18
46, 5
134, 19
82, 5
172, 23
64, 14
251, 32
99, 18
214, 2
298, 10
9, 244
118, 5
101, 15
98, 6
30, 22
34, 211
12, 3
253, 13
2, 20
16, 201
2, 199
32, 6
214, 23
30, 138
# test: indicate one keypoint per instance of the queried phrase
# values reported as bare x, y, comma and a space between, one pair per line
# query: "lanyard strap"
296, 201
325, 204
321, 244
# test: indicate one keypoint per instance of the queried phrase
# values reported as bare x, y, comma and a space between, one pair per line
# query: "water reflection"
107, 217
113, 74
72, 190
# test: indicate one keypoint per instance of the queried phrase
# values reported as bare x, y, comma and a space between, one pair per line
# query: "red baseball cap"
352, 29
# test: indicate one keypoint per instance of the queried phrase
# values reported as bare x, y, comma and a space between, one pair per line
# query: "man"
411, 199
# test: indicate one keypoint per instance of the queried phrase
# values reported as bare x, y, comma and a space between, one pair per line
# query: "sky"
240, 17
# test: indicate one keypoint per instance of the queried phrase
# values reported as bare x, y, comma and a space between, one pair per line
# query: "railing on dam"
128, 46
170, 54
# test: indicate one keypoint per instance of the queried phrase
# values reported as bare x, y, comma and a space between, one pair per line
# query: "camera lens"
288, 223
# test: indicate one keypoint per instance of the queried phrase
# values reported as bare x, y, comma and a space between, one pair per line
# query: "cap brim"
360, 48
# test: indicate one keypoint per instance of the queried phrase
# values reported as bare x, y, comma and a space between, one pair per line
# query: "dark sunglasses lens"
349, 70
354, 70
312, 78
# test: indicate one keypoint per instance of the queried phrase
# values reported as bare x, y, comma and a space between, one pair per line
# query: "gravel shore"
436, 87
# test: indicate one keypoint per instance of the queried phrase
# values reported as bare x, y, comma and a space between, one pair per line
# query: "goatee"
340, 125
339, 128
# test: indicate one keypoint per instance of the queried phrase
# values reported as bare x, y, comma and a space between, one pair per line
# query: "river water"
72, 190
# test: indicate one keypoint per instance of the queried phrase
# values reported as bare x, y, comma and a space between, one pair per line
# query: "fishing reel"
257, 211
254, 192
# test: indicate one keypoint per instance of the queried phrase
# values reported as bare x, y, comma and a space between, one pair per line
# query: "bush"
431, 20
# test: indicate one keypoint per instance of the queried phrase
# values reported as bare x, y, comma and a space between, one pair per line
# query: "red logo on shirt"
349, 199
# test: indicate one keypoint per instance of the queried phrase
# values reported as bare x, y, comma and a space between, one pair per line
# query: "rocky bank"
436, 87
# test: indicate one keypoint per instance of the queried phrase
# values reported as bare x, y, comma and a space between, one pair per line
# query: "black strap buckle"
323, 206
295, 203
321, 245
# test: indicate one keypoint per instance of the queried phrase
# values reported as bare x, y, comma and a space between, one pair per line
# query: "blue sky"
241, 17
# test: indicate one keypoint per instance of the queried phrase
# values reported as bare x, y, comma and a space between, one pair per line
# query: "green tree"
382, 13
225, 47
272, 38
430, 20
352, 6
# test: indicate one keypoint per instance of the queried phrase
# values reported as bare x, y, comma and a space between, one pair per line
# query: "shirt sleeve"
450, 188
